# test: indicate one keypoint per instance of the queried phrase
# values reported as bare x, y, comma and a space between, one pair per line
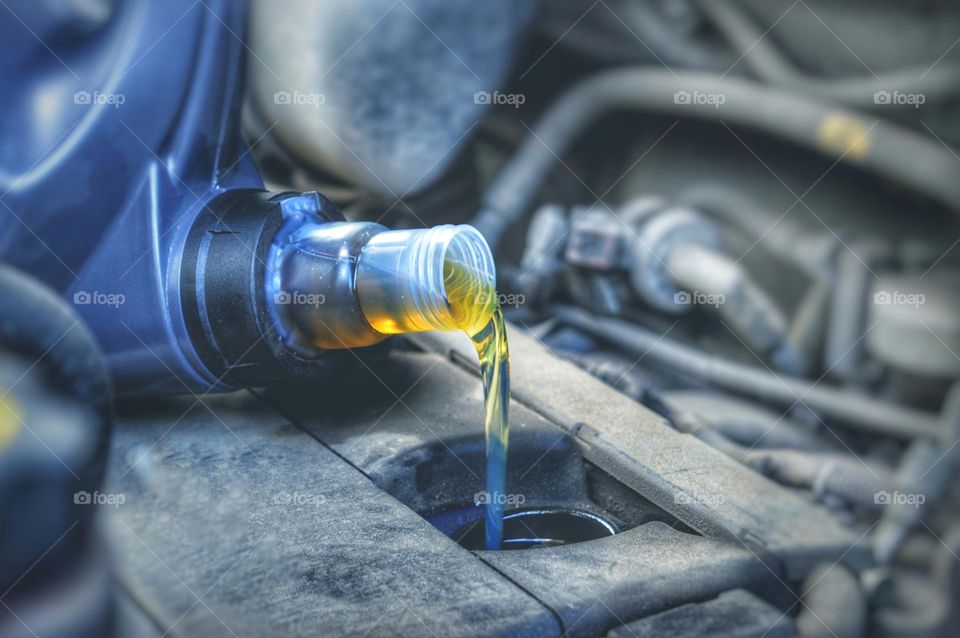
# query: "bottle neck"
439, 278
351, 284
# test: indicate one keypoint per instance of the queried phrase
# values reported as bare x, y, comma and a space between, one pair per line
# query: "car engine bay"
727, 250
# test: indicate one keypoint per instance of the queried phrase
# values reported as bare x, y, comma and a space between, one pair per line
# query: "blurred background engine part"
918, 337
380, 96
819, 48
54, 430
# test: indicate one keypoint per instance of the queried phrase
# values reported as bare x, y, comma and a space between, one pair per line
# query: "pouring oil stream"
461, 284
443, 278
491, 344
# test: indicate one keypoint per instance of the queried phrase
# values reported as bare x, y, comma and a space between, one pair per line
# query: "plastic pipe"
862, 413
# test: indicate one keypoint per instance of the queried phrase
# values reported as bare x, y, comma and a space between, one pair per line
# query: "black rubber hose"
767, 63
37, 324
891, 151
758, 53
858, 412
55, 384
824, 473
601, 36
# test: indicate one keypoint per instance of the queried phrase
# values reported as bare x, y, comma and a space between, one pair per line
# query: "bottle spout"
439, 278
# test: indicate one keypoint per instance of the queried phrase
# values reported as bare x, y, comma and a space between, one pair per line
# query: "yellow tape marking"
843, 136
9, 420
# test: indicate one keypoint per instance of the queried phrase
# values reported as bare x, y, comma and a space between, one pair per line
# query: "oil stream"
491, 344
471, 301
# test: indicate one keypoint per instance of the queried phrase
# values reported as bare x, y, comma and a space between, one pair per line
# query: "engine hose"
826, 475
54, 435
38, 325
767, 63
833, 604
889, 150
749, 424
857, 412
852, 481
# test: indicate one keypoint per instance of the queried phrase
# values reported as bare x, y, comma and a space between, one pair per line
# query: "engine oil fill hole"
543, 527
